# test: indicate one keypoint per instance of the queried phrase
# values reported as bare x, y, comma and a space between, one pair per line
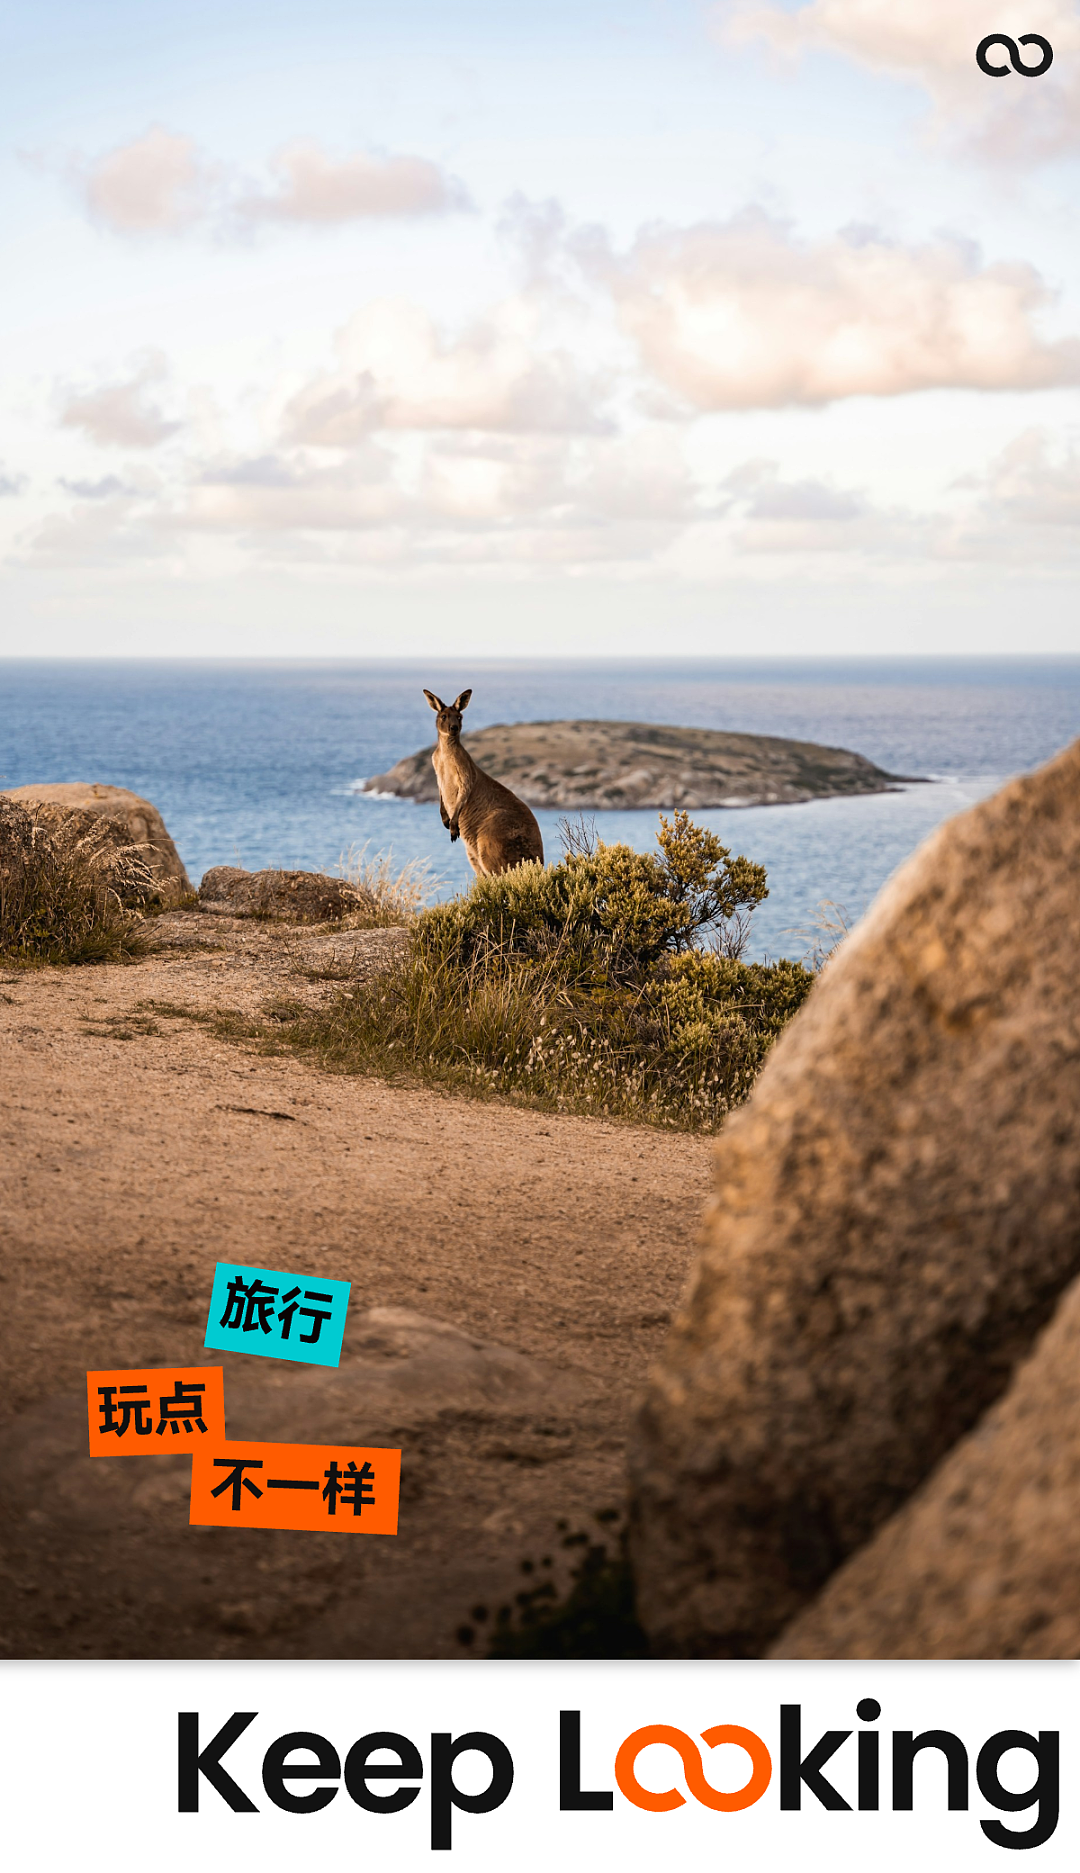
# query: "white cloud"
397, 371
462, 499
774, 517
282, 494
758, 485
11, 485
594, 483
107, 533
511, 502
317, 188
157, 184
1035, 481
933, 45
743, 315
121, 414
101, 489
162, 183
1022, 512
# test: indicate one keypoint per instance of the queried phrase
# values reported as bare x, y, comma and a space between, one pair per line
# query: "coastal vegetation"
68, 896
611, 983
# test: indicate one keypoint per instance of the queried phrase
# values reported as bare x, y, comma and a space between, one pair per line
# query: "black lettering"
906, 1747
1045, 1790
571, 1793
868, 1710
359, 1771
193, 1762
277, 1771
445, 1794
796, 1769
869, 1778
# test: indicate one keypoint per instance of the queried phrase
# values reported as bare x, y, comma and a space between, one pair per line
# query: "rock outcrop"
290, 896
896, 1213
580, 766
135, 823
46, 850
984, 1560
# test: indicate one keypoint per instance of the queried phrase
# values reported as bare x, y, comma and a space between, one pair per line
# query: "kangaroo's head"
448, 714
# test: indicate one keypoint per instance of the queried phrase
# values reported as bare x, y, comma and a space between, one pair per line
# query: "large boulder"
984, 1560
896, 1211
99, 846
63, 877
288, 896
134, 823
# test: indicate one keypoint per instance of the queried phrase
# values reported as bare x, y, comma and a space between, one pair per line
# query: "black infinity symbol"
1013, 50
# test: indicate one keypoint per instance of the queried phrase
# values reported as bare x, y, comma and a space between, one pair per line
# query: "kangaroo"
498, 829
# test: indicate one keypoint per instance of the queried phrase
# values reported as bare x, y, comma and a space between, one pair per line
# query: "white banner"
183, 1767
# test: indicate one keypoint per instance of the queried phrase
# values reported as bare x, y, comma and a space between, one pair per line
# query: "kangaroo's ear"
434, 701
463, 700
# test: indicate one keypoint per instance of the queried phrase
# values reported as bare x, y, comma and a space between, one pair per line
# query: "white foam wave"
372, 793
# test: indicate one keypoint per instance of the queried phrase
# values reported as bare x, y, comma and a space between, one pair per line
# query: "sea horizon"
259, 761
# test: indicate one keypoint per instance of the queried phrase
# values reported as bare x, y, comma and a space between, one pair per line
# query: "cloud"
397, 371
11, 485
280, 494
1022, 512
765, 496
162, 183
933, 45
315, 188
107, 533
771, 515
741, 315
508, 502
568, 483
123, 414
158, 184
454, 500
101, 490
1035, 481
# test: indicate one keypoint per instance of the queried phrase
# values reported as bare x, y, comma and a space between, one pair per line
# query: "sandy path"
553, 1248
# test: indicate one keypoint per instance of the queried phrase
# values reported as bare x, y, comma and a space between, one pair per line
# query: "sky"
660, 328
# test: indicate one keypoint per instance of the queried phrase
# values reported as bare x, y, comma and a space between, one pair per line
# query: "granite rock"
142, 826
895, 1215
984, 1560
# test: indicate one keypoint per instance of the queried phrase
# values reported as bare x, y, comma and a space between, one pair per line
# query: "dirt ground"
512, 1274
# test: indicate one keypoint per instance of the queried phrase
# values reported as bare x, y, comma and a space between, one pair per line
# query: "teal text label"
281, 1316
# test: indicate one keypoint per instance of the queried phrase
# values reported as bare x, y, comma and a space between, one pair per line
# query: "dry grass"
610, 985
66, 905
389, 894
493, 1028
823, 935
575, 988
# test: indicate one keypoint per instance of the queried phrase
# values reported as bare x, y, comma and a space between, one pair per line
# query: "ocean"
258, 763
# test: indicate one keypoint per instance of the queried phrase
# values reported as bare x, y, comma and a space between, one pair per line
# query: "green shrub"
607, 904
582, 987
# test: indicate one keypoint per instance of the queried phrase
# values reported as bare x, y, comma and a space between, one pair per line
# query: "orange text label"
157, 1411
334, 1488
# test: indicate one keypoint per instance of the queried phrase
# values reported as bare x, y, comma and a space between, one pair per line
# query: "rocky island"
600, 765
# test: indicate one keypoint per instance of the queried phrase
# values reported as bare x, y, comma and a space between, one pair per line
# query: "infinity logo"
700, 1788
1013, 50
